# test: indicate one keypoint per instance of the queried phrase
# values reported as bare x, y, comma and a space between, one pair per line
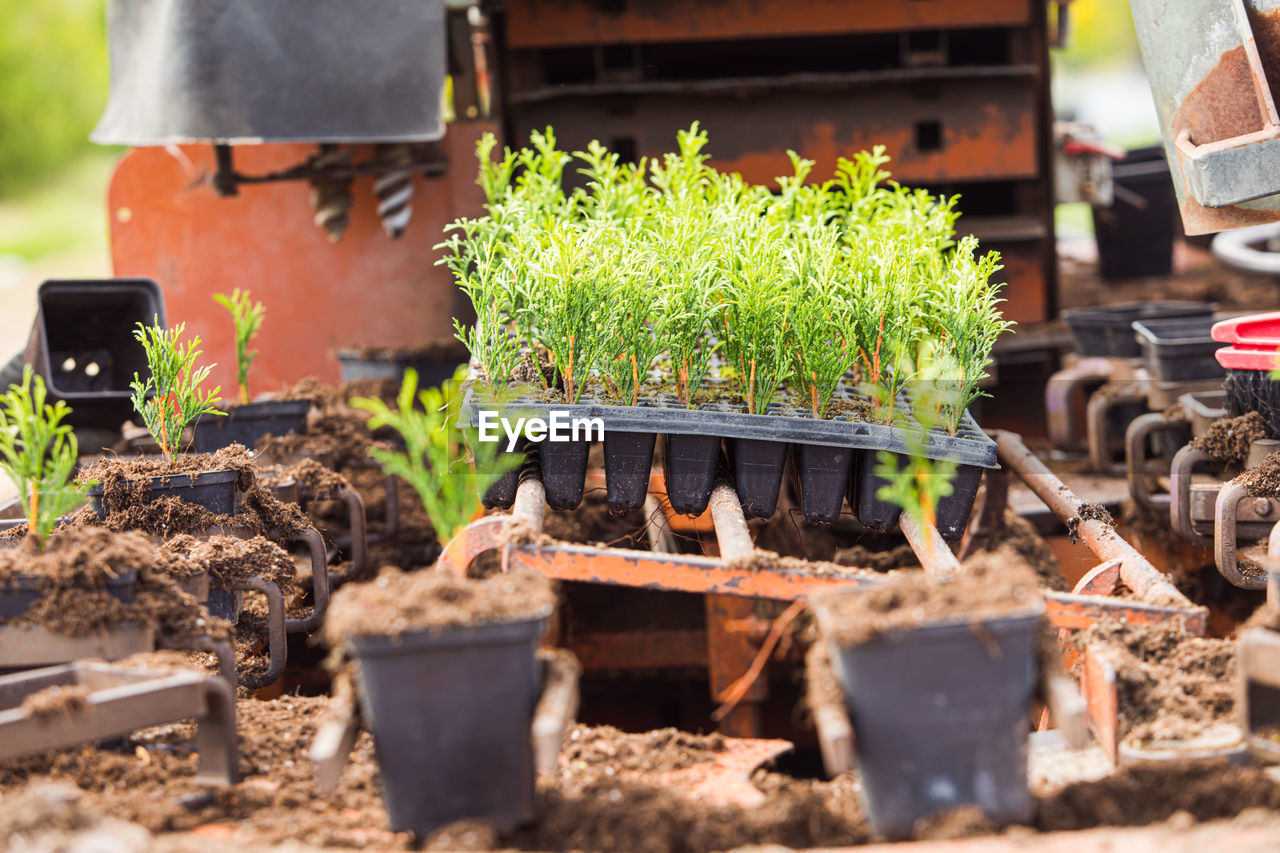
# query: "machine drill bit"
394, 189
331, 196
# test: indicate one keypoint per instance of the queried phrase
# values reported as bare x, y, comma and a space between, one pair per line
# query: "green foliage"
247, 316
38, 453
446, 466
53, 85
171, 397
665, 263
917, 484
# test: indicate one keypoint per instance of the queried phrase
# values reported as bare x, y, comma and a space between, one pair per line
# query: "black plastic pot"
1108, 330
628, 459
823, 473
84, 347
450, 714
1179, 349
564, 471
942, 715
23, 590
213, 490
246, 424
225, 604
689, 469
1135, 238
757, 474
951, 514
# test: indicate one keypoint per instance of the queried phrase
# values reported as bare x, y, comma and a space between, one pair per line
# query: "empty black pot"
248, 423
1135, 234
824, 475
23, 590
942, 715
628, 458
757, 474
450, 714
689, 469
564, 471
213, 490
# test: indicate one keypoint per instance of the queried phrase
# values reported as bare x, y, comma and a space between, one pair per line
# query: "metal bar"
1076, 612
1135, 458
1102, 700
1096, 417
277, 649
319, 583
531, 503
1180, 473
731, 525
1147, 582
1060, 398
674, 572
556, 709
357, 521
931, 549
1225, 554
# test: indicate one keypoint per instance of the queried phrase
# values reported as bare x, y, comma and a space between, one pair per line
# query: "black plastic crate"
1179, 349
1108, 330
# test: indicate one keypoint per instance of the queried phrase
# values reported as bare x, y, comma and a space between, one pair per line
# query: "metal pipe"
731, 525
931, 549
531, 503
1147, 582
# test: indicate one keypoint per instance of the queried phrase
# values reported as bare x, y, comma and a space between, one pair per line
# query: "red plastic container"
1254, 340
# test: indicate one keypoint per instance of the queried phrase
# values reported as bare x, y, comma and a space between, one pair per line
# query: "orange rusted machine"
275, 154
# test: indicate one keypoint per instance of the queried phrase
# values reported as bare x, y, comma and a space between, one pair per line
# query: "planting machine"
329, 204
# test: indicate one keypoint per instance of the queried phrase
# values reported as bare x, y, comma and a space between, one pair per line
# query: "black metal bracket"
428, 159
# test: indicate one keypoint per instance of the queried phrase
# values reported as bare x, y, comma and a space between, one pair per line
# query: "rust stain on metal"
1224, 104
558, 23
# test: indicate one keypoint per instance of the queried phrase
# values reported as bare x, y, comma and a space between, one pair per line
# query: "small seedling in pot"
446, 466
171, 398
38, 453
756, 314
247, 316
631, 346
683, 260
822, 344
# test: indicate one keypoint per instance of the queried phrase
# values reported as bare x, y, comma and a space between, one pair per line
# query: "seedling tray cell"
689, 469
502, 494
628, 457
823, 474
757, 473
564, 471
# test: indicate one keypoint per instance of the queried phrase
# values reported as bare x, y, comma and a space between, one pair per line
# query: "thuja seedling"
38, 453
917, 485
475, 253
756, 319
171, 397
247, 316
446, 467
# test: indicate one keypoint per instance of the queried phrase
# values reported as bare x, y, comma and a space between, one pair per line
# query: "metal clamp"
122, 700
277, 650
1135, 457
319, 582
1184, 464
1225, 532
1097, 412
1060, 395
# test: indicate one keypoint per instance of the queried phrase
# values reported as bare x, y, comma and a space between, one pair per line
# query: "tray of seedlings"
744, 328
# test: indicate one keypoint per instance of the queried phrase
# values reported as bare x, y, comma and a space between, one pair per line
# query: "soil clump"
1171, 686
1087, 512
1263, 480
1227, 441
910, 599
57, 700
396, 602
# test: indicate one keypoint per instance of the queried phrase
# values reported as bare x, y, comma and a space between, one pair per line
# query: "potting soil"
113, 473
1262, 480
317, 481
1175, 413
64, 700
395, 602
1171, 686
910, 599
228, 559
1227, 440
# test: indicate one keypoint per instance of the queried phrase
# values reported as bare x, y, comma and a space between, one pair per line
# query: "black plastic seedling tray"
1179, 349
829, 456
1108, 331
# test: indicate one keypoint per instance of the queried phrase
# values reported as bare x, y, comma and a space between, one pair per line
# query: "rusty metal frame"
1236, 512
1060, 397
122, 700
1185, 461
29, 646
1097, 432
1135, 457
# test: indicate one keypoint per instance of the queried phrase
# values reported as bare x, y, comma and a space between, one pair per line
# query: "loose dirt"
57, 701
594, 754
1263, 480
910, 599
1141, 794
315, 480
114, 474
395, 602
1087, 512
227, 559
1227, 441
1171, 686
